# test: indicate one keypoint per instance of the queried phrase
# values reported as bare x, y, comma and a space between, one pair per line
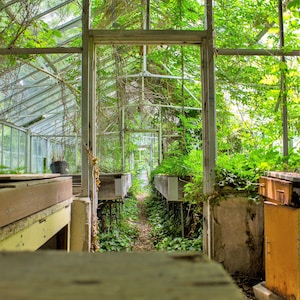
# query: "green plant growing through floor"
122, 234
166, 228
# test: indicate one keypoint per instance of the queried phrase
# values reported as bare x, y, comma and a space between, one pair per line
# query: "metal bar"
156, 105
52, 9
13, 126
160, 134
69, 24
56, 50
148, 37
259, 52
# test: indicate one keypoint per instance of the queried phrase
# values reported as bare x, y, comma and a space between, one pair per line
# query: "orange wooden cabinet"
282, 250
282, 233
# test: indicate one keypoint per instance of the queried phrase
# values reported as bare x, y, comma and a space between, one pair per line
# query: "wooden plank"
147, 37
22, 177
15, 227
265, 52
33, 236
290, 176
19, 51
153, 275
29, 197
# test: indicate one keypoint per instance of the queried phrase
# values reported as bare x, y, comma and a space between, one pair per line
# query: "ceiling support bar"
54, 50
258, 52
148, 37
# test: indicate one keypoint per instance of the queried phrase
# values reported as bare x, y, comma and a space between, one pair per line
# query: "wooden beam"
85, 121
22, 51
147, 37
153, 275
265, 52
19, 199
208, 124
32, 232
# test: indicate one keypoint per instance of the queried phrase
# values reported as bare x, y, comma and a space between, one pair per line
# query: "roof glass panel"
38, 23
137, 14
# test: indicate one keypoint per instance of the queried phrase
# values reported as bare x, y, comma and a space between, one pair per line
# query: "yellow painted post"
80, 225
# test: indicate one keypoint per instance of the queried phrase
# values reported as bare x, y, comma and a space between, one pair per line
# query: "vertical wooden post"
85, 135
87, 117
92, 129
283, 89
209, 122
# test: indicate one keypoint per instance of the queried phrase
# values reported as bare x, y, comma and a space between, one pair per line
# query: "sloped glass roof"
41, 91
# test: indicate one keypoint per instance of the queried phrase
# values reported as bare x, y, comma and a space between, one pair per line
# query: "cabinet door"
282, 250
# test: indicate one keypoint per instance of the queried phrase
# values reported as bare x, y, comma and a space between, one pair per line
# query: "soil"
246, 284
144, 243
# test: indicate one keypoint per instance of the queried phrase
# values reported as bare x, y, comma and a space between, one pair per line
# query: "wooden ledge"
152, 275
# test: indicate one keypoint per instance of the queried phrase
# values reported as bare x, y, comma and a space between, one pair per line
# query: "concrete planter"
237, 234
171, 187
114, 186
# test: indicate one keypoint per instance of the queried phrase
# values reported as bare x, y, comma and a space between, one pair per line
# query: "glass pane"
133, 15
7, 148
22, 150
140, 89
52, 23
15, 149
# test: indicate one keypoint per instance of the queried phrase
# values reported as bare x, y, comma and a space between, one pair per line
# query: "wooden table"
34, 209
59, 275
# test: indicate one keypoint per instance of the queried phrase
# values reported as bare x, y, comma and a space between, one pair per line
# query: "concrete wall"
237, 234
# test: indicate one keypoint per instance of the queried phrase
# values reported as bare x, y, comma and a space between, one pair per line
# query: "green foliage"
115, 240
166, 228
123, 233
242, 170
7, 170
179, 244
174, 164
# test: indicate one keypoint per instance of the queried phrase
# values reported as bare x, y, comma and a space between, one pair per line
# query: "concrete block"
262, 293
81, 225
237, 235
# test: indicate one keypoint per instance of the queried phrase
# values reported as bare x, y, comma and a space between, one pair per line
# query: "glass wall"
21, 152
12, 149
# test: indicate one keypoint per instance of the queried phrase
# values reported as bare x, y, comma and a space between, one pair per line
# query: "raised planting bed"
35, 209
170, 187
114, 186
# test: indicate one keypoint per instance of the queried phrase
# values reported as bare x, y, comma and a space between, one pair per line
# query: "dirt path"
144, 241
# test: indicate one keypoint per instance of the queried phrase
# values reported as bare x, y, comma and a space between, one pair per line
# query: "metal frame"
90, 38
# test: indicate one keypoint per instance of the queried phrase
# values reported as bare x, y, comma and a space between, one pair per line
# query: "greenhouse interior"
167, 129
